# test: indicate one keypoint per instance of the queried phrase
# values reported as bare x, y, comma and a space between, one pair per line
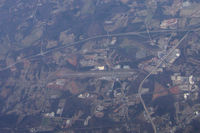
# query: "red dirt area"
73, 87
174, 90
159, 91
4, 92
72, 60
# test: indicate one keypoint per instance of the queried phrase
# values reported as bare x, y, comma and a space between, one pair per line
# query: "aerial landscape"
99, 66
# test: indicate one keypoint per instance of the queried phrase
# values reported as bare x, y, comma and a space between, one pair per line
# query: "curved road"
156, 67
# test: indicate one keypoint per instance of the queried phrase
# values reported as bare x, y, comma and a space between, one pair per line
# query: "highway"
88, 39
155, 68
